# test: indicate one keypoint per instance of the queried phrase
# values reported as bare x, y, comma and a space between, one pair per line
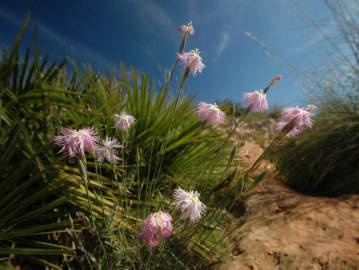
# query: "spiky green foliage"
28, 200
31, 211
169, 143
166, 147
328, 162
234, 109
102, 207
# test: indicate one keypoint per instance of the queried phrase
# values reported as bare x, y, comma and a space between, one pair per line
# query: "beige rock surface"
284, 230
287, 230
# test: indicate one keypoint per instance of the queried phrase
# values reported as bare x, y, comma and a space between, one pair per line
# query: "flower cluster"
75, 143
300, 118
158, 225
192, 62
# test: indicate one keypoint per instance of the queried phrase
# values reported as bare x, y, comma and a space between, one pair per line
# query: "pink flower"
210, 113
256, 101
192, 61
108, 150
76, 142
124, 121
302, 118
189, 204
156, 226
187, 29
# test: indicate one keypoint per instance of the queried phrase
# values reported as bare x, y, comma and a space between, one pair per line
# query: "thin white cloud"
155, 15
222, 45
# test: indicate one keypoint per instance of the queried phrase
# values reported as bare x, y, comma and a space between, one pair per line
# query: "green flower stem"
83, 174
183, 83
227, 181
183, 43
169, 79
265, 90
180, 50
240, 119
179, 94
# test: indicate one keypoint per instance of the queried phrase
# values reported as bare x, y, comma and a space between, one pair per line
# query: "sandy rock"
286, 230
249, 152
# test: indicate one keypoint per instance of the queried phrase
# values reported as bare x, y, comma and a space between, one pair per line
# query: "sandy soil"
286, 230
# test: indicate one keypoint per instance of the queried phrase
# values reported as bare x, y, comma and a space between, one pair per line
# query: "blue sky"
144, 33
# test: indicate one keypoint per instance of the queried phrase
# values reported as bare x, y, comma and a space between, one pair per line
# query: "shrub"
31, 211
100, 207
115, 213
325, 159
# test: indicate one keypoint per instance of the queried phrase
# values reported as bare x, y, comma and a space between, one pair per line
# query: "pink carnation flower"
301, 116
108, 150
187, 29
156, 226
210, 113
76, 142
256, 101
192, 61
189, 204
124, 121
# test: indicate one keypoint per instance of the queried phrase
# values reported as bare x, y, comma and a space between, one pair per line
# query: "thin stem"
244, 114
83, 174
273, 82
172, 73
288, 127
227, 181
179, 94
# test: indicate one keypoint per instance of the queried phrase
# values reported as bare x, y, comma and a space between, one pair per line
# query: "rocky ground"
286, 230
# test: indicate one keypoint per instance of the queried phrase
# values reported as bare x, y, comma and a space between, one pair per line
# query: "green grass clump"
324, 160
58, 214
